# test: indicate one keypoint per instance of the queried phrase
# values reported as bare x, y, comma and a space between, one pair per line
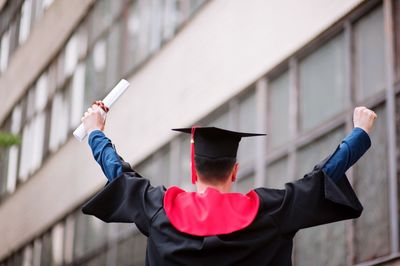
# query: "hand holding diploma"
91, 120
95, 117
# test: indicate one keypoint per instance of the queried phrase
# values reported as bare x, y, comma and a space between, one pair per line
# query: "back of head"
214, 171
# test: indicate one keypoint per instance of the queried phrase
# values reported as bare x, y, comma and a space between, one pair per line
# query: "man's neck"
225, 187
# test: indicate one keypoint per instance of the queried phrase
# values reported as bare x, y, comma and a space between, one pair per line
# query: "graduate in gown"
215, 226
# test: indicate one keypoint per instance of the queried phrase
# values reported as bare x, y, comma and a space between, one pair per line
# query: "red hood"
211, 212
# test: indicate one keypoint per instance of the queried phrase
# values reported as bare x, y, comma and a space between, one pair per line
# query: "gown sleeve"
313, 200
127, 198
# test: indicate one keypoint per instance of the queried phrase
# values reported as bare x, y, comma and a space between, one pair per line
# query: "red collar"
211, 212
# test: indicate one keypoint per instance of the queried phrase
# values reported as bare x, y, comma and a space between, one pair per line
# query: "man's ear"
234, 172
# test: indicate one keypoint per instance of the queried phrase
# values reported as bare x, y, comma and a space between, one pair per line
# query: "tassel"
194, 173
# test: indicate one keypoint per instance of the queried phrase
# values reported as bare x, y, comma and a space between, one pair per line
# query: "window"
71, 55
99, 20
174, 14
370, 53
4, 50
59, 119
95, 74
156, 18
221, 119
14, 36
82, 39
185, 174
4, 159
195, 5
278, 111
278, 173
322, 245
25, 23
247, 123
156, 168
323, 83
136, 47
16, 118
57, 240
114, 55
27, 255
77, 95
34, 117
90, 234
131, 251
371, 184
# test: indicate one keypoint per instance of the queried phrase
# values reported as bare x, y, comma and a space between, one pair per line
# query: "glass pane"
174, 15
162, 167
156, 168
220, 120
28, 255
135, 34
322, 83
71, 55
139, 251
156, 18
14, 36
185, 175
59, 119
318, 150
99, 19
3, 169
114, 44
278, 111
4, 50
90, 233
95, 74
77, 95
370, 53
372, 229
247, 123
46, 257
244, 185
322, 245
124, 251
25, 22
57, 240
278, 174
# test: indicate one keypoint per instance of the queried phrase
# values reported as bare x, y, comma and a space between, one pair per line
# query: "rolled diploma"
108, 101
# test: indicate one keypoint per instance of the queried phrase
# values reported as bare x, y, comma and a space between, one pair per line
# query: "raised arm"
319, 198
102, 148
127, 197
105, 154
353, 146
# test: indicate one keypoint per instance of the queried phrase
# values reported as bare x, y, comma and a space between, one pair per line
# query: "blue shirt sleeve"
105, 154
353, 146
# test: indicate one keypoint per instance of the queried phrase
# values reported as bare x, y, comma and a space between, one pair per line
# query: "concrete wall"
227, 46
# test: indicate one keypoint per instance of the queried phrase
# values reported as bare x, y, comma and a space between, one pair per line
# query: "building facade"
292, 69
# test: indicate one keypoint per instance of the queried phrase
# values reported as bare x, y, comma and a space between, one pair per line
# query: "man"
214, 226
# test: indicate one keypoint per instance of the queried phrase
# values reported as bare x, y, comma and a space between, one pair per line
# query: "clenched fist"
94, 119
364, 118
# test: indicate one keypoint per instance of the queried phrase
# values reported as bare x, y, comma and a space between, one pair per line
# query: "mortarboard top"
214, 143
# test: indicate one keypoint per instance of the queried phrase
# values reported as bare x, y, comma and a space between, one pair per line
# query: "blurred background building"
293, 69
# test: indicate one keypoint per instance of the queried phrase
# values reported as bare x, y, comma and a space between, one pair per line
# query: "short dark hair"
214, 170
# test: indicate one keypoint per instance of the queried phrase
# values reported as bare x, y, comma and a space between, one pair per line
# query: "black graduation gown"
268, 240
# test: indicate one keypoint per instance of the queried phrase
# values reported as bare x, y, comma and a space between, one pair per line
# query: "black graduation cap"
213, 143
